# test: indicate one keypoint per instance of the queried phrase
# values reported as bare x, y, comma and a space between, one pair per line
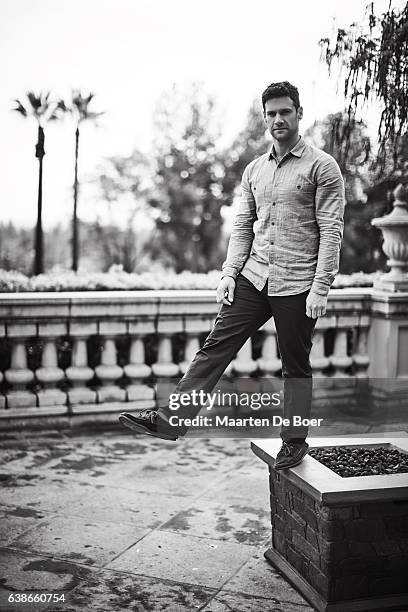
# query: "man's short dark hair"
280, 90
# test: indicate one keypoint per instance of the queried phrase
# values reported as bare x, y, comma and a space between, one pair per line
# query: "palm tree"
79, 108
42, 110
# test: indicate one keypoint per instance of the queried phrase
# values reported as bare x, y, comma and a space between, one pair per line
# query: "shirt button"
273, 222
273, 203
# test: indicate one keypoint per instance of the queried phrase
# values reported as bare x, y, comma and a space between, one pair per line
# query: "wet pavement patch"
235, 523
24, 513
84, 464
15, 480
78, 573
123, 593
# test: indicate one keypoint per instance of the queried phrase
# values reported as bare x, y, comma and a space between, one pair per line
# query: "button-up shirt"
289, 224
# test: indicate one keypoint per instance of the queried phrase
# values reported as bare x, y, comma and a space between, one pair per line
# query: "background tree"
189, 172
124, 186
42, 110
373, 61
250, 143
16, 248
359, 237
79, 108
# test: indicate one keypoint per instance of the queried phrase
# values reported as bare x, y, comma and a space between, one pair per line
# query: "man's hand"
225, 290
316, 305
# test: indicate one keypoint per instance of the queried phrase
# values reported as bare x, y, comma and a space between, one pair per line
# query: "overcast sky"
127, 52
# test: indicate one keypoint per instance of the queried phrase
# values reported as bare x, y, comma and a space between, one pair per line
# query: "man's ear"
300, 112
264, 118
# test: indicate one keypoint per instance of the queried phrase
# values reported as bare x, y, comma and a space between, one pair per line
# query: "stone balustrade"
73, 353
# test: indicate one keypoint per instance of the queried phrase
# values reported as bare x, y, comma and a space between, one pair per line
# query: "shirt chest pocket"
301, 185
259, 191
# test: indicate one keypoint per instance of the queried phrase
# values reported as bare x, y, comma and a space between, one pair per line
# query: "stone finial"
400, 195
394, 228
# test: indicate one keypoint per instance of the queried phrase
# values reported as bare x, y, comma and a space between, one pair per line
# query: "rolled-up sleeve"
242, 235
329, 201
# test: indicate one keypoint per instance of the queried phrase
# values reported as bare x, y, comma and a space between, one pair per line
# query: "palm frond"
20, 108
40, 107
34, 100
81, 102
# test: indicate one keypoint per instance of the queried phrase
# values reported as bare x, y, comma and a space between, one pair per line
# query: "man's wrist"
229, 271
322, 291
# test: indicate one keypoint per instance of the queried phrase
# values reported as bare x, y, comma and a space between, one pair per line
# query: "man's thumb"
231, 294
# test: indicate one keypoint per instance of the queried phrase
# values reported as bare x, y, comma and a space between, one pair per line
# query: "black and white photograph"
204, 306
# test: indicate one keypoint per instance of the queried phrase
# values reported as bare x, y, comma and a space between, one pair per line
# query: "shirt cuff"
229, 271
319, 289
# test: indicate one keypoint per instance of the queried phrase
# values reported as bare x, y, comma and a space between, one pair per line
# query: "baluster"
193, 327
137, 369
109, 371
318, 360
79, 372
2, 397
49, 374
269, 363
339, 359
164, 367
19, 375
361, 358
243, 364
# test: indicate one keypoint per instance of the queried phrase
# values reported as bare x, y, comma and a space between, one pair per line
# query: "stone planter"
342, 542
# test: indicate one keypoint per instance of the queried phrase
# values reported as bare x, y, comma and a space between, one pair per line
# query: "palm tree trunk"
75, 228
39, 238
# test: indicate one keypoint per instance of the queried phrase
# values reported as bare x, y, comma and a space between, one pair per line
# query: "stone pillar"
49, 374
19, 375
388, 337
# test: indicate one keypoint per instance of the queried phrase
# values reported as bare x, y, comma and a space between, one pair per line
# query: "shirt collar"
297, 150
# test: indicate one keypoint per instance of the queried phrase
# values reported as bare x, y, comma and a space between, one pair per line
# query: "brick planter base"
343, 542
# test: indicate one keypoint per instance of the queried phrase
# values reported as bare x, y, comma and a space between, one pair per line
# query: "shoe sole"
128, 422
285, 467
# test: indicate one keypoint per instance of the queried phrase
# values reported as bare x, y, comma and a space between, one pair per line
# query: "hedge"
117, 280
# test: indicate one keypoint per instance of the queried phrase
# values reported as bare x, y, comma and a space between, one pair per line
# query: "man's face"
282, 118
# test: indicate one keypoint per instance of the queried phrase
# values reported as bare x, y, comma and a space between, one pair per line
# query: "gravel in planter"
349, 461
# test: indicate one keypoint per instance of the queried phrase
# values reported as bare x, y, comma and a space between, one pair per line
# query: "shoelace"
287, 449
148, 414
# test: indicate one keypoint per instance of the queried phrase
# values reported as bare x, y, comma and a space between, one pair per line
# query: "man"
282, 257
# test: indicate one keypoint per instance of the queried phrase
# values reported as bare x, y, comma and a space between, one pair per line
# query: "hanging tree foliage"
373, 61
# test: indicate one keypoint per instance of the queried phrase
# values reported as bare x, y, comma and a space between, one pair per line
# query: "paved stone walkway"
120, 522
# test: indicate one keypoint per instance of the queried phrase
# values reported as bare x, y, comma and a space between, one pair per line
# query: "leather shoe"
290, 454
148, 421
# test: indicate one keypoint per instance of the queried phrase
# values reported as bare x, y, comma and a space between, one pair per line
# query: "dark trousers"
232, 328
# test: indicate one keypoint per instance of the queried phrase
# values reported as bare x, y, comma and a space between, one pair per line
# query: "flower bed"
349, 461
118, 280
